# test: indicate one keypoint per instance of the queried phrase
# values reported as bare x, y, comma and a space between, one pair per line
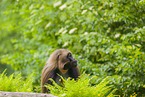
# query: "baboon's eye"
69, 55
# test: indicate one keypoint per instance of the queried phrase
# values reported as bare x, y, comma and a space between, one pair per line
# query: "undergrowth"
15, 83
82, 88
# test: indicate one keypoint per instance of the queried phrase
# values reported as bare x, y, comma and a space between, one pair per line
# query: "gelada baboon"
60, 63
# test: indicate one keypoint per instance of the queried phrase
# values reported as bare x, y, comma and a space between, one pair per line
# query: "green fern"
15, 83
82, 88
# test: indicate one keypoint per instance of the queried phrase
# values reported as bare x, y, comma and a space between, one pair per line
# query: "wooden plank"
23, 94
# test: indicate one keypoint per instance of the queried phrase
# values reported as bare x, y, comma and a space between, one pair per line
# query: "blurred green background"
107, 37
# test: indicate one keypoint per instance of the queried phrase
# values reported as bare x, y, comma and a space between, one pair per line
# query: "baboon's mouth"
68, 65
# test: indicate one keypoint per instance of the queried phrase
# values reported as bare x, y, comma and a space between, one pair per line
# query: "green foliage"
106, 36
29, 61
82, 88
15, 83
9, 70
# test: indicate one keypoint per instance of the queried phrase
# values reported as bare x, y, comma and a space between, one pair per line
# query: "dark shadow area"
8, 68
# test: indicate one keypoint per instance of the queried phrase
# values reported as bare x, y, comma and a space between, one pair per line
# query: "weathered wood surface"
23, 94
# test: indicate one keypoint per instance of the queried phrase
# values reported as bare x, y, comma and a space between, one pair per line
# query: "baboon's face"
66, 60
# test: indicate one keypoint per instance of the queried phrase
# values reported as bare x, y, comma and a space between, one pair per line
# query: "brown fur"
55, 65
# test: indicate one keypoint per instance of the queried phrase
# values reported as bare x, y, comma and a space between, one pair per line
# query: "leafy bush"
82, 88
15, 83
107, 37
